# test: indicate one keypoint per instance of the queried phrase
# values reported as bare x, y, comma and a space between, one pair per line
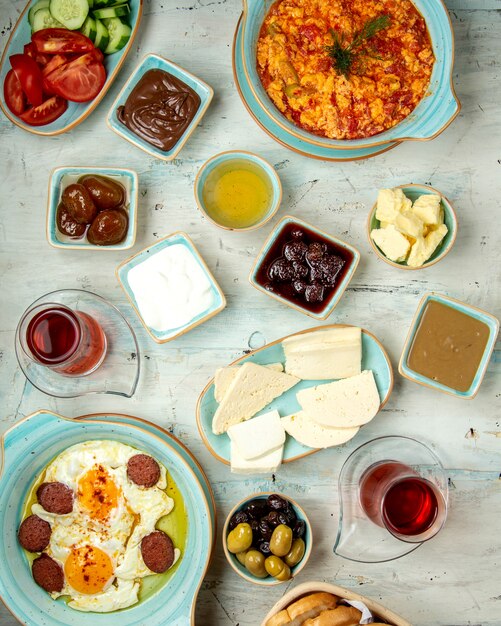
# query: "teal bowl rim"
54, 195
443, 248
21, 436
269, 581
285, 138
333, 301
166, 64
207, 167
179, 236
435, 98
483, 316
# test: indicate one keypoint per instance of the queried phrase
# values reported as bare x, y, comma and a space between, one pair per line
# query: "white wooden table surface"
454, 580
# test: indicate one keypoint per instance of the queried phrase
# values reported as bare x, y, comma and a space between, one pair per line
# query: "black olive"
291, 516
265, 529
239, 517
272, 519
254, 524
299, 528
276, 503
256, 509
282, 518
264, 547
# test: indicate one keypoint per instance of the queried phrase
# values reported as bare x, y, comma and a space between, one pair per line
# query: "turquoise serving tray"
76, 112
374, 357
28, 448
275, 131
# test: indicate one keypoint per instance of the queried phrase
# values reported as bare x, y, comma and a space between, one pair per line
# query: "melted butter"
237, 194
448, 346
175, 524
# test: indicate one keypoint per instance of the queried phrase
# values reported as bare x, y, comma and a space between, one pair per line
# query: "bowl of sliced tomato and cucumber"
71, 52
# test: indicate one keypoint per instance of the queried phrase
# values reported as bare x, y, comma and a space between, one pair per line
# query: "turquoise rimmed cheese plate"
374, 357
76, 112
28, 447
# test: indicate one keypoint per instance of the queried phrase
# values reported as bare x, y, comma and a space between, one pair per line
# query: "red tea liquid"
393, 495
71, 343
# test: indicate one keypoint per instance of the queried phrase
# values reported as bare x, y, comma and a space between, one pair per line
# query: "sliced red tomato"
46, 113
61, 41
13, 93
79, 80
29, 76
31, 51
56, 61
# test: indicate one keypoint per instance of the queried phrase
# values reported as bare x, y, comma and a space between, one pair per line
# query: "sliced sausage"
143, 470
55, 498
47, 573
158, 551
34, 534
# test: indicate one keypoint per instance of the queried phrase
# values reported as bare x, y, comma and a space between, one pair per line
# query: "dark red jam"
304, 267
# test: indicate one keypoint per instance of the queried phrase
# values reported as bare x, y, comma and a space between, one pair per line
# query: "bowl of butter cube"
412, 226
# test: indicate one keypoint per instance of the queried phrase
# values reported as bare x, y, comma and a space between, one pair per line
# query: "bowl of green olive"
267, 538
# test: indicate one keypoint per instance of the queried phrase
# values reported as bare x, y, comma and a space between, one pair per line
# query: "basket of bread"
323, 604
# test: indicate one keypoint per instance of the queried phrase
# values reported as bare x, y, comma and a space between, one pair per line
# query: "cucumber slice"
41, 4
102, 36
44, 19
108, 12
71, 13
101, 4
90, 3
119, 34
89, 28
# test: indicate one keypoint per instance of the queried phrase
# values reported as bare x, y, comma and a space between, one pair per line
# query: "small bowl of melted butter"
449, 346
238, 190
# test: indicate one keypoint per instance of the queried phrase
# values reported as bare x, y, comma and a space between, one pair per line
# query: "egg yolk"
98, 493
88, 569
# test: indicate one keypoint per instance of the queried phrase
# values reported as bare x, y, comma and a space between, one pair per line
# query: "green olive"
254, 562
241, 557
240, 538
281, 540
277, 568
296, 552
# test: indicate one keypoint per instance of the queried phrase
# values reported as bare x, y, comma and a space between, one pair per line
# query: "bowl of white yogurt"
170, 287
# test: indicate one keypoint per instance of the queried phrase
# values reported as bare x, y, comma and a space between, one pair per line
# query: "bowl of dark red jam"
304, 267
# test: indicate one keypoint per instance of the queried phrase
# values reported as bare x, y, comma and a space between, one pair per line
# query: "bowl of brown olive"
267, 538
92, 207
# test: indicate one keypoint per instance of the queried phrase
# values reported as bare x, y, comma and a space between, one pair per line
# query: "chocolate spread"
159, 109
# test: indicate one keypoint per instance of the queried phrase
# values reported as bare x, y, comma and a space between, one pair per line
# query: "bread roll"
342, 616
280, 619
309, 606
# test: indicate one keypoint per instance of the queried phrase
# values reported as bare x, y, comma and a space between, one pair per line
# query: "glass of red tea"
69, 342
395, 496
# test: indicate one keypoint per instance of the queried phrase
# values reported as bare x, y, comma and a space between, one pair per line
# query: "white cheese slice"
344, 403
224, 377
391, 242
325, 354
253, 388
266, 464
258, 436
309, 433
427, 208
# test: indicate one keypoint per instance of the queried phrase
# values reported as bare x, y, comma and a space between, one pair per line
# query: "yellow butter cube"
409, 224
433, 239
427, 208
418, 253
392, 243
390, 202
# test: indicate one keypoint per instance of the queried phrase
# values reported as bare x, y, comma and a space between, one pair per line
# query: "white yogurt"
170, 288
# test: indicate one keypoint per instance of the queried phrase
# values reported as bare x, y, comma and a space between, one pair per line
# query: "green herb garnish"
344, 56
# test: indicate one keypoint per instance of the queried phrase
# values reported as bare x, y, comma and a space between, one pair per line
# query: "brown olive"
108, 228
254, 563
277, 568
80, 206
105, 192
296, 552
240, 538
67, 225
281, 540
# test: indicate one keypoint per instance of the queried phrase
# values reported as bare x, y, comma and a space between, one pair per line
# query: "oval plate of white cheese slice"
234, 394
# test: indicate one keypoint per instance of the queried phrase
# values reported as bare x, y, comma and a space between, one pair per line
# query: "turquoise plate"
489, 320
150, 62
433, 114
28, 448
122, 273
277, 132
127, 177
374, 357
76, 111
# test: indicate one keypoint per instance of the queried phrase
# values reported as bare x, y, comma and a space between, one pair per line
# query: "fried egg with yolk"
98, 543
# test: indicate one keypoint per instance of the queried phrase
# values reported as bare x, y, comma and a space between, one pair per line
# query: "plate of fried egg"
104, 523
